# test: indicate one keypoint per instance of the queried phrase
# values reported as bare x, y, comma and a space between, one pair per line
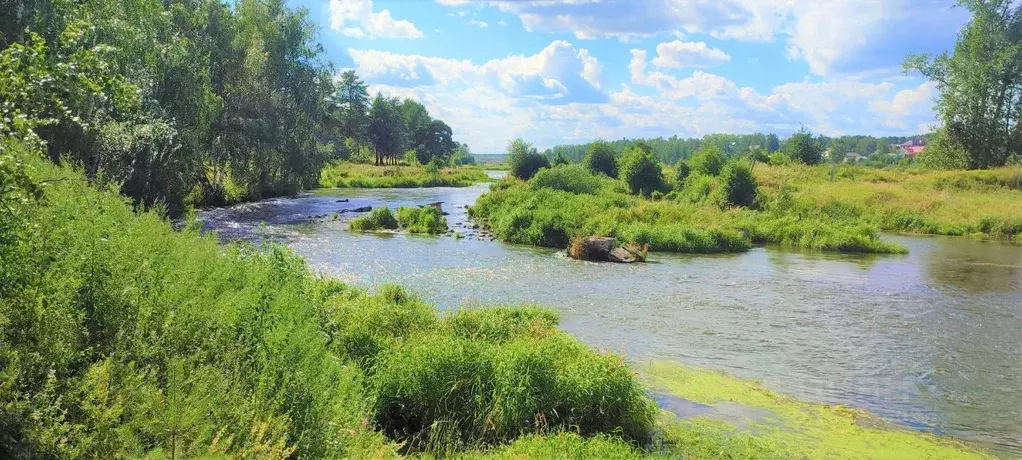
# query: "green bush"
708, 160
803, 147
681, 172
737, 186
601, 159
571, 178
426, 219
379, 219
641, 171
943, 152
524, 160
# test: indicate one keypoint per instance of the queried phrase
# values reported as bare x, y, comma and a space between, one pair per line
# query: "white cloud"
478, 23
677, 54
831, 36
365, 22
452, 2
502, 23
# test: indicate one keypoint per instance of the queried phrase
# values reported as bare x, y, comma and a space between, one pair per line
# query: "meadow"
795, 206
122, 337
353, 175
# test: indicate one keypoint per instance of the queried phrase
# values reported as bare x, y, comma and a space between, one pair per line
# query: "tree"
561, 160
524, 160
737, 186
803, 148
708, 160
386, 129
980, 84
641, 171
600, 159
351, 103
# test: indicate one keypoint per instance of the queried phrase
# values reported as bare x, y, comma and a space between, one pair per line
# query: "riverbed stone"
621, 256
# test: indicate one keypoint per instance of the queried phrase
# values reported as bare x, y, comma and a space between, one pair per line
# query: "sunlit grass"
351, 175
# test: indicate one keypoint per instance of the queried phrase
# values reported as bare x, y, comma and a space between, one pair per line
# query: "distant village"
907, 149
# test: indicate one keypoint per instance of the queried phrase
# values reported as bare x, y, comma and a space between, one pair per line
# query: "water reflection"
932, 339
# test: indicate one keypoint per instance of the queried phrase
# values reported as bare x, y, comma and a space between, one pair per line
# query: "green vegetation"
524, 160
801, 147
978, 84
350, 175
600, 159
427, 219
704, 213
641, 172
413, 219
378, 219
792, 428
121, 337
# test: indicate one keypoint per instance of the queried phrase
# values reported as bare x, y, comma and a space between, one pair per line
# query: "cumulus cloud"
829, 35
677, 54
557, 74
356, 18
478, 23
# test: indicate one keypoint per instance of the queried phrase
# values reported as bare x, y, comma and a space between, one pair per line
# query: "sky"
570, 71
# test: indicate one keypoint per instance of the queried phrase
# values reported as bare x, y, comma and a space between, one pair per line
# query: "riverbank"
795, 206
351, 175
145, 341
984, 204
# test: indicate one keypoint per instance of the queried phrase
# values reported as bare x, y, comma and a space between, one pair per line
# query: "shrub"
943, 152
681, 172
708, 160
641, 171
426, 219
600, 159
524, 160
737, 186
571, 178
378, 219
803, 148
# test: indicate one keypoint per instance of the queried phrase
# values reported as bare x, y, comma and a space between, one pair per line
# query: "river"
931, 339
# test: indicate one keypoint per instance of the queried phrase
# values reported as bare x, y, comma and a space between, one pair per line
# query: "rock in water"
621, 256
591, 248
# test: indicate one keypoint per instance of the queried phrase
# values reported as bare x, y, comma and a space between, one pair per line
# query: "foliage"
681, 172
524, 160
708, 161
348, 175
671, 150
803, 148
122, 337
561, 160
737, 186
794, 429
378, 219
600, 158
944, 152
980, 85
571, 178
641, 171
426, 219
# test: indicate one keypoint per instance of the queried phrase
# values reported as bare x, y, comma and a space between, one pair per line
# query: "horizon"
572, 73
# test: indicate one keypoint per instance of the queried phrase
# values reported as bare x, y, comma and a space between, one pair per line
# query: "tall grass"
120, 337
351, 175
412, 219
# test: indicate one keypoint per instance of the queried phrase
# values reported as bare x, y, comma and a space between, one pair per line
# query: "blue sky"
575, 70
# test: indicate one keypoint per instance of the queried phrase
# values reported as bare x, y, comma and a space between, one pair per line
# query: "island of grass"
354, 175
718, 204
413, 219
121, 337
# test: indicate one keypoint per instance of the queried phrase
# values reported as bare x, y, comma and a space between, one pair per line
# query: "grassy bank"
351, 175
983, 204
120, 337
796, 206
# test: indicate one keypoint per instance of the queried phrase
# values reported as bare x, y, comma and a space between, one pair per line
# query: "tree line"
392, 128
192, 101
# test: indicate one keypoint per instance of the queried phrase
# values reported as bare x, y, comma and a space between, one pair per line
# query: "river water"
931, 339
